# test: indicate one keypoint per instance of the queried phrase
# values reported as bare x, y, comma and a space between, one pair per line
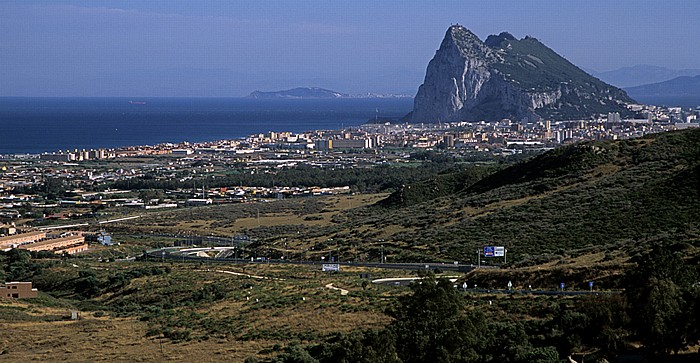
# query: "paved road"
540, 292
171, 254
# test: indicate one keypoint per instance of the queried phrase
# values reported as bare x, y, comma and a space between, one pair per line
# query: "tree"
18, 265
660, 293
431, 324
505, 341
295, 354
367, 346
87, 285
542, 355
146, 195
608, 322
54, 188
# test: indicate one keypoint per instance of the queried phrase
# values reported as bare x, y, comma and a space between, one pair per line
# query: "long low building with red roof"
69, 244
16, 240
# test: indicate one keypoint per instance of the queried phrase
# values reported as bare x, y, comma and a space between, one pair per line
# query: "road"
165, 254
540, 292
172, 255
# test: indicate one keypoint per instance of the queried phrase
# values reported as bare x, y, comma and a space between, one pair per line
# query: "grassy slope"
249, 316
587, 197
591, 195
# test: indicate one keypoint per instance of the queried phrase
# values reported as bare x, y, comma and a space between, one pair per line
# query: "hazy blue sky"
230, 48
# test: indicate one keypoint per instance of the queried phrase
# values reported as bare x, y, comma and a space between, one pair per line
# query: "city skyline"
229, 49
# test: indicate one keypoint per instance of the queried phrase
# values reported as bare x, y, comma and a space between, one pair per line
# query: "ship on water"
137, 102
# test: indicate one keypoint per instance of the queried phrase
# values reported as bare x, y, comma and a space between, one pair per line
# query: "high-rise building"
449, 140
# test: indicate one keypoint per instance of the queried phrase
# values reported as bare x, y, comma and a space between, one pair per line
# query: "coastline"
38, 125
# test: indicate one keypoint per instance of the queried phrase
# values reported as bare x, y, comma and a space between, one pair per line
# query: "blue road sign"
561, 286
590, 284
489, 251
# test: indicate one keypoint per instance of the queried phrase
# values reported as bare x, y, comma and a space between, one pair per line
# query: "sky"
101, 48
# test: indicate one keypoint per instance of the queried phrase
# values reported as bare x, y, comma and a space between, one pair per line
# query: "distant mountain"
504, 77
300, 92
643, 74
320, 93
678, 87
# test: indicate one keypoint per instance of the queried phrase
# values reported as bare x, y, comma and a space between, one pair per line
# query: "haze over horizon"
229, 49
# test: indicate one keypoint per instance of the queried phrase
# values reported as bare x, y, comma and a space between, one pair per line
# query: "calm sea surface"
34, 125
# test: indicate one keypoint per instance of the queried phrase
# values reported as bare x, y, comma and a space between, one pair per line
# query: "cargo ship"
137, 102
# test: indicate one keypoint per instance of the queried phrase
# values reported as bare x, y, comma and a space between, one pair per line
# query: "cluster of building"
363, 146
78, 155
482, 136
57, 242
478, 135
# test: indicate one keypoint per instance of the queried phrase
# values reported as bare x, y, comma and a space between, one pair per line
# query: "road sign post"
590, 285
330, 267
561, 286
496, 251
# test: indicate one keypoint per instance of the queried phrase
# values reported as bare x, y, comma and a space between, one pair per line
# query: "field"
192, 312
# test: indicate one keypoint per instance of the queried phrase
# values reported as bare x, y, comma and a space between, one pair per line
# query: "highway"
171, 254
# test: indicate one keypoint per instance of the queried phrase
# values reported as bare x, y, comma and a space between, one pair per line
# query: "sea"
36, 125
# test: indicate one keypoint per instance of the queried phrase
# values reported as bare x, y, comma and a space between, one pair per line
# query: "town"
84, 173
75, 187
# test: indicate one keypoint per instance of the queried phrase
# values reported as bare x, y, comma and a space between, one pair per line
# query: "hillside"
593, 196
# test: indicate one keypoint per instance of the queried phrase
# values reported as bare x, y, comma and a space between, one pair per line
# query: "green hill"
591, 196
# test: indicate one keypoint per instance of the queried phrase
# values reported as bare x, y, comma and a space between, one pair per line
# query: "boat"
137, 102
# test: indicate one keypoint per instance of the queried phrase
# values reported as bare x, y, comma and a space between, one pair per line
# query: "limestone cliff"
503, 77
